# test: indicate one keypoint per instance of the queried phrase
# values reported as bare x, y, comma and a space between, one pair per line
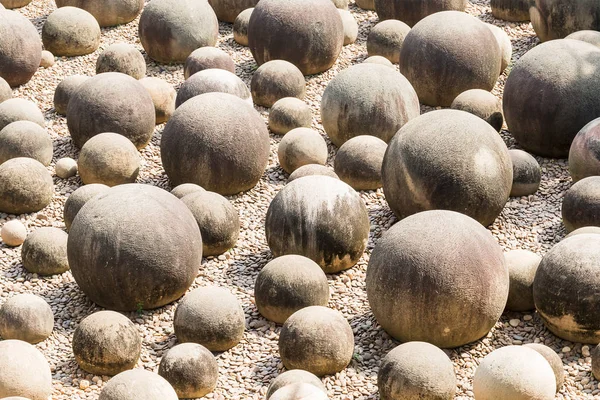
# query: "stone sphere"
191, 369
217, 218
292, 377
5, 90
366, 4
482, 104
427, 167
71, 31
581, 204
45, 251
30, 376
240, 26
20, 50
111, 102
449, 276
299, 391
504, 44
212, 80
275, 80
25, 186
516, 373
170, 30
591, 37
554, 360
416, 370
411, 12
584, 154
522, 265
312, 169
186, 188
106, 343
316, 339
163, 96
350, 26
13, 110
300, 220
228, 10
367, 99
585, 229
289, 113
301, 146
511, 10
13, 3
596, 361
108, 12
25, 139
124, 58
137, 384
379, 60
47, 60
26, 317
207, 57
555, 19
358, 162
215, 135
211, 316
13, 233
307, 33
78, 198
65, 90
144, 239
527, 174
532, 119
386, 39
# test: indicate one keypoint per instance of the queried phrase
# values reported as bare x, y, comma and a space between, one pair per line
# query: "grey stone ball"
13, 233
20, 50
215, 135
207, 57
366, 4
312, 169
427, 166
47, 60
25, 139
275, 80
292, 377
379, 60
527, 173
144, 239
13, 4
108, 12
412, 12
482, 104
300, 220
212, 80
78, 198
350, 26
13, 110
555, 19
511, 10
26, 317
138, 384
111, 102
163, 96
191, 369
301, 146
316, 339
25, 186
44, 251
358, 162
71, 31
124, 58
449, 276
228, 10
504, 44
65, 90
367, 99
299, 391
170, 30
211, 316
585, 229
554, 360
289, 113
5, 90
30, 377
386, 39
584, 154
240, 26
589, 36
581, 204
186, 188
522, 265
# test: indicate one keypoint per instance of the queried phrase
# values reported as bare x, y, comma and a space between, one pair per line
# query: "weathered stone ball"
307, 33
386, 39
316, 339
13, 110
589, 36
300, 220
379, 60
522, 265
301, 146
289, 113
163, 96
312, 169
78, 198
45, 251
30, 376
511, 10
240, 26
138, 384
292, 377
275, 80
299, 391
581, 204
584, 154
585, 229
13, 4
71, 31
215, 135
25, 186
427, 166
527, 174
65, 90
5, 90
111, 102
108, 13
449, 278
555, 19
480, 103
211, 316
124, 58
186, 188
212, 80
144, 239
358, 162
191, 369
504, 44
367, 99
170, 30
26, 317
47, 60
207, 57
20, 50
366, 4
554, 360
350, 26
412, 12
13, 233
25, 139
228, 10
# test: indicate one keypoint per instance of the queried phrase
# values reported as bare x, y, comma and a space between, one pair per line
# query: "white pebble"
566, 349
514, 322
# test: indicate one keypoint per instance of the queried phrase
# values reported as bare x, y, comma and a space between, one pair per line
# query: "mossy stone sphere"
511, 10
299, 391
30, 376
45, 251
25, 139
522, 265
206, 58
555, 19
240, 26
527, 174
581, 204
212, 80
25, 186
589, 36
163, 96
289, 113
13, 233
275, 80
71, 31
78, 198
26, 317
386, 38
5, 90
13, 110
482, 104
124, 58
20, 50
554, 360
411, 12
228, 10
186, 188
108, 12
292, 377
65, 90
312, 169
137, 384
358, 162
301, 146
584, 154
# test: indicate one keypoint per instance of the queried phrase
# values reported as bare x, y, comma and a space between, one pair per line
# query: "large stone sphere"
163, 96
71, 31
29, 376
5, 90
207, 57
138, 384
301, 146
65, 90
146, 246
307, 33
299, 391
292, 377
448, 276
554, 360
411, 12
522, 265
108, 12
527, 174
20, 48
44, 251
78, 198
13, 233
240, 26
212, 136
358, 162
300, 220
26, 317
212, 80
25, 139
581, 204
427, 166
386, 39
123, 58
584, 154
275, 80
532, 119
228, 10
511, 10
312, 169
367, 99
170, 30
555, 19
25, 186
482, 104
591, 37
289, 113
17, 109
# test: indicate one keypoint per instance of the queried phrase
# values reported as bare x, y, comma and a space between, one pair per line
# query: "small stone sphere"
312, 169
78, 198
191, 369
25, 139
522, 265
13, 110
358, 162
554, 360
45, 251
386, 38
47, 60
20, 49
25, 186
170, 30
527, 174
555, 19
228, 10
111, 102
300, 220
299, 391
581, 204
449, 276
350, 26
275, 80
65, 90
108, 12
211, 316
584, 154
26, 317
367, 99
585, 229
301, 146
186, 188
379, 60
240, 26
65, 168
289, 113
137, 384
316, 339
366, 4
217, 218
591, 37
5, 90
291, 377
504, 44
288, 284
106, 343
124, 58
511, 10
212, 80
13, 233
71, 31
163, 96
207, 57
480, 103
411, 12
30, 376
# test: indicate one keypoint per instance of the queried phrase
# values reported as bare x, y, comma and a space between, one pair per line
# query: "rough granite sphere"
137, 384
581, 204
207, 57
307, 33
301, 146
163, 96
585, 229
379, 60
366, 4
191, 369
482, 104
555, 19
350, 26
111, 102
312, 169
210, 316
13, 110
533, 120
591, 37
240, 26
358, 162
299, 391
511, 10
5, 90
527, 173
275, 80
212, 80
108, 12
13, 3
218, 220
13, 233
291, 377
411, 12
228, 10
47, 60
522, 265
504, 44
26, 317
186, 188
106, 343
170, 30
584, 154
289, 113
65, 90
30, 376
124, 58
367, 99
215, 135
20, 49
416, 370
45, 251
25, 186
71, 31
449, 278
78, 198
386, 38
146, 246
25, 139
427, 166
554, 360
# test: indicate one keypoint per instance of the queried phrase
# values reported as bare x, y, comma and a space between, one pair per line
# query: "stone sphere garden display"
358, 162
25, 186
289, 113
386, 38
30, 376
13, 110
147, 248
275, 80
186, 188
123, 58
448, 276
411, 12
522, 265
5, 90
300, 220
20, 50
163, 96
26, 317
78, 198
240, 27
511, 10
554, 360
47, 60
292, 377
25, 139
299, 391
137, 384
555, 19
71, 31
108, 13
350, 27
301, 146
589, 36
13, 233
504, 44
228, 10
44, 251
212, 80
65, 90
527, 174
581, 204
312, 169
584, 154
482, 104
206, 58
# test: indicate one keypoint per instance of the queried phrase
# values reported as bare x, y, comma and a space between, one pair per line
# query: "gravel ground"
532, 223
